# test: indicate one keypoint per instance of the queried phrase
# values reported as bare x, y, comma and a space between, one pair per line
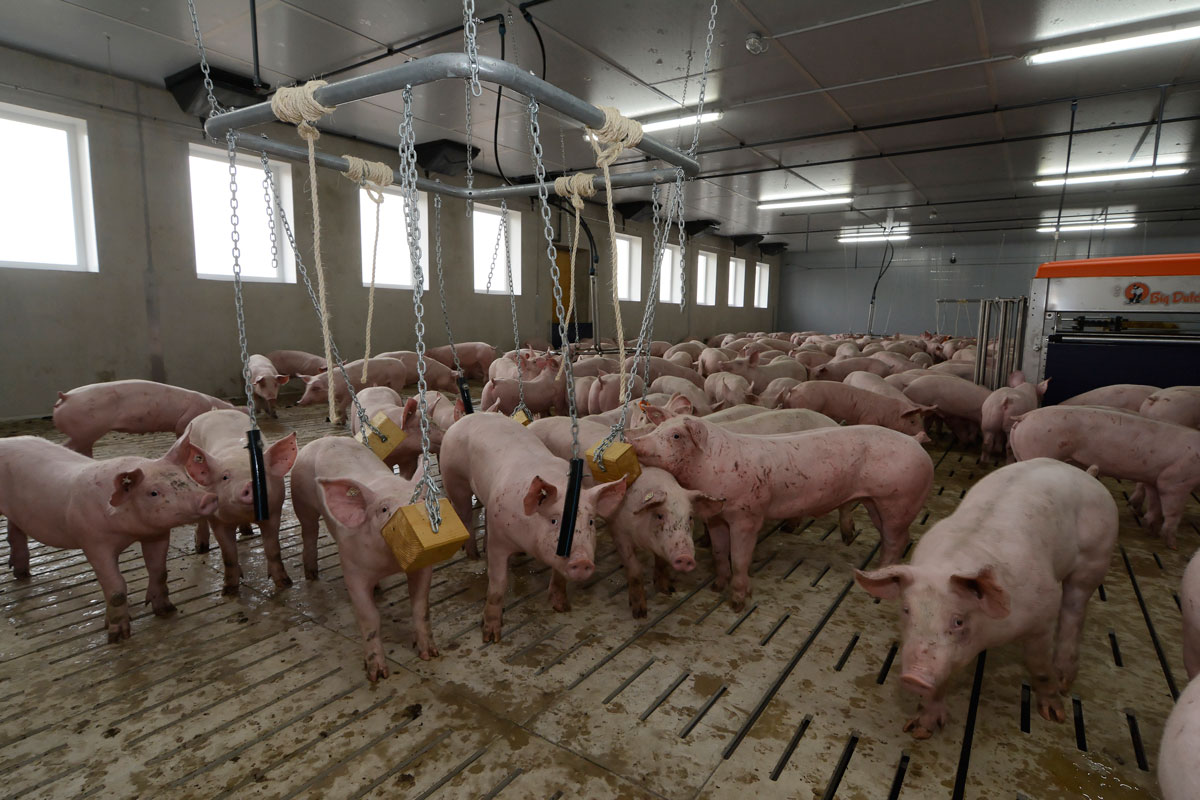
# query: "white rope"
574, 188
616, 134
298, 105
372, 176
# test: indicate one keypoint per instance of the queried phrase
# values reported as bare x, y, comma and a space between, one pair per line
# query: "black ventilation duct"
636, 210
231, 90
772, 248
741, 240
699, 226
444, 156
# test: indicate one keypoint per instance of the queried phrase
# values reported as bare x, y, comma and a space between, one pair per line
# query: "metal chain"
495, 256
437, 241
364, 423
214, 108
712, 23
472, 88
231, 140
512, 305
548, 232
412, 217
678, 200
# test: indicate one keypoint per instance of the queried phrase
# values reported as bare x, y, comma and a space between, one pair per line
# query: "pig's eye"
660, 517
906, 609
383, 509
958, 622
675, 436
553, 522
225, 477
154, 494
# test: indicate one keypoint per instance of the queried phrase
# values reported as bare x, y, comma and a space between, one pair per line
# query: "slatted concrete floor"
264, 695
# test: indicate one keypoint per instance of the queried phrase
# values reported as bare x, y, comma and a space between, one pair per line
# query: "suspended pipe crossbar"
445, 66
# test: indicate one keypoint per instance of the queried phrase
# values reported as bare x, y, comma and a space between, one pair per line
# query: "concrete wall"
145, 314
830, 290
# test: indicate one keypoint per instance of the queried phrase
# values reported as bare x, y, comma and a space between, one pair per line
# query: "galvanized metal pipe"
981, 336
1000, 377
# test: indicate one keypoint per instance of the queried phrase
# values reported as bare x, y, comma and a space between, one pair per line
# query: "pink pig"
522, 486
63, 499
760, 374
1128, 396
297, 362
605, 393
1000, 409
544, 392
1178, 404
874, 383
437, 375
660, 367
476, 357
406, 413
88, 412
726, 390
1178, 767
772, 396
669, 384
1189, 600
337, 479
860, 407
1016, 561
711, 359
267, 380
956, 400
380, 372
838, 370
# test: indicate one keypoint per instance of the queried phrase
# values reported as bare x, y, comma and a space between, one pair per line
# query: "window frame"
282, 171
633, 269
514, 244
709, 284
737, 288
672, 285
366, 210
762, 268
80, 168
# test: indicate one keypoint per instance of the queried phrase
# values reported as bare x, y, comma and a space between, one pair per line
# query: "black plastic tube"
464, 391
566, 533
258, 475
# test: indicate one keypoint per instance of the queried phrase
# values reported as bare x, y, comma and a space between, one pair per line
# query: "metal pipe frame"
985, 310
444, 66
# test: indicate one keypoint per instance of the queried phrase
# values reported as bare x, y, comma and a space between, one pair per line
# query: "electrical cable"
496, 121
541, 44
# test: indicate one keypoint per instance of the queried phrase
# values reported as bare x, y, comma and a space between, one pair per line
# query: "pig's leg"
633, 573
1153, 516
270, 540
743, 535
418, 599
458, 490
493, 609
154, 553
846, 522
360, 585
558, 592
1171, 502
227, 539
892, 535
1039, 659
116, 610
18, 551
1077, 589
931, 715
663, 578
308, 517
1138, 499
202, 540
245, 531
81, 446
718, 534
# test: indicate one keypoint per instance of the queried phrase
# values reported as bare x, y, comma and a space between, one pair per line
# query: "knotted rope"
298, 105
616, 134
574, 188
372, 176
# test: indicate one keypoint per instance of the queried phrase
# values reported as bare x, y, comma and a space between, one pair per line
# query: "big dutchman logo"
1139, 293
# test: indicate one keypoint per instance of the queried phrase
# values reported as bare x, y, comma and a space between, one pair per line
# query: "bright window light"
873, 233
1115, 45
805, 202
393, 264
208, 170
46, 209
1112, 176
706, 278
737, 282
490, 265
670, 289
762, 285
629, 267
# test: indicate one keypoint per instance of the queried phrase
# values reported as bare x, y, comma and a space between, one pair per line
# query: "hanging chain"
472, 89
512, 305
708, 43
231, 140
214, 108
678, 201
437, 240
412, 218
364, 423
548, 232
495, 256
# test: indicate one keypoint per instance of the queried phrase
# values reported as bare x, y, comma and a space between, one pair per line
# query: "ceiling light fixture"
1090, 226
1111, 176
756, 43
899, 233
805, 202
677, 122
895, 237
1115, 45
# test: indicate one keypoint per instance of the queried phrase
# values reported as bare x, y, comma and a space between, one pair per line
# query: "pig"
1000, 409
901, 380
437, 375
381, 372
874, 383
692, 348
1189, 601
86, 413
760, 374
543, 393
846, 350
592, 366
1163, 456
838, 370
583, 387
921, 359
295, 363
682, 359
672, 385
1129, 396
736, 412
772, 396
1016, 561
406, 455
896, 361
64, 499
860, 407
219, 461
342, 482
660, 367
774, 477
657, 348
810, 358
475, 357
956, 400
1178, 767
522, 487
959, 369
711, 359
1178, 404
726, 389
605, 393
266, 380
655, 515
530, 364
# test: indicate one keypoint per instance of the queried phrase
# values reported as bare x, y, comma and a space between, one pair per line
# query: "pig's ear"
697, 431
655, 415
460, 410
608, 496
307, 378
985, 588
411, 410
282, 379
706, 505
644, 501
540, 493
346, 500
1042, 387
754, 358
717, 406
281, 456
192, 458
914, 411
886, 583
680, 404
123, 485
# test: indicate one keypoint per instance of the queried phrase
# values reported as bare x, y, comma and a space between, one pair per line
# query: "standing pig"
544, 392
67, 500
959, 402
726, 390
711, 359
344, 483
407, 414
772, 396
1128, 396
1002, 407
522, 487
295, 363
773, 477
1189, 601
1016, 561
88, 412
1178, 767
218, 460
660, 367
380, 372
760, 374
672, 385
1178, 404
605, 394
874, 383
860, 407
437, 375
475, 357
838, 370
267, 380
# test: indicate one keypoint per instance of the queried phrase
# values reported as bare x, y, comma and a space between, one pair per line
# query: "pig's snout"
922, 437
208, 505
917, 682
580, 568
684, 563
246, 495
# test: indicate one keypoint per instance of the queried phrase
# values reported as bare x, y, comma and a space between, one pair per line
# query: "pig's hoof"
848, 536
428, 652
245, 531
164, 609
737, 604
917, 730
491, 632
202, 547
310, 574
376, 670
118, 631
21, 574
1051, 708
230, 590
283, 583
638, 609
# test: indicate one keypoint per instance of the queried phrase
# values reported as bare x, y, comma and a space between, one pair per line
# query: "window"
669, 289
762, 285
393, 264
209, 172
489, 251
706, 278
46, 208
629, 267
737, 282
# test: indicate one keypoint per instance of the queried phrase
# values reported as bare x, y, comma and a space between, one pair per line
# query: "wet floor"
264, 695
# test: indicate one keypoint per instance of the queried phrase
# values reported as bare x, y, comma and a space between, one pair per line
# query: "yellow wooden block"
520, 416
619, 462
413, 541
388, 428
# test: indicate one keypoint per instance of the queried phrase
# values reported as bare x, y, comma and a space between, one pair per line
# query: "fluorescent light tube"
804, 202
895, 237
1112, 176
668, 124
1099, 226
1115, 45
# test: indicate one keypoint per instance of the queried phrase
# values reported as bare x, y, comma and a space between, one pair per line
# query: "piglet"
1016, 561
295, 363
63, 499
88, 412
342, 482
380, 372
266, 379
1178, 767
522, 486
